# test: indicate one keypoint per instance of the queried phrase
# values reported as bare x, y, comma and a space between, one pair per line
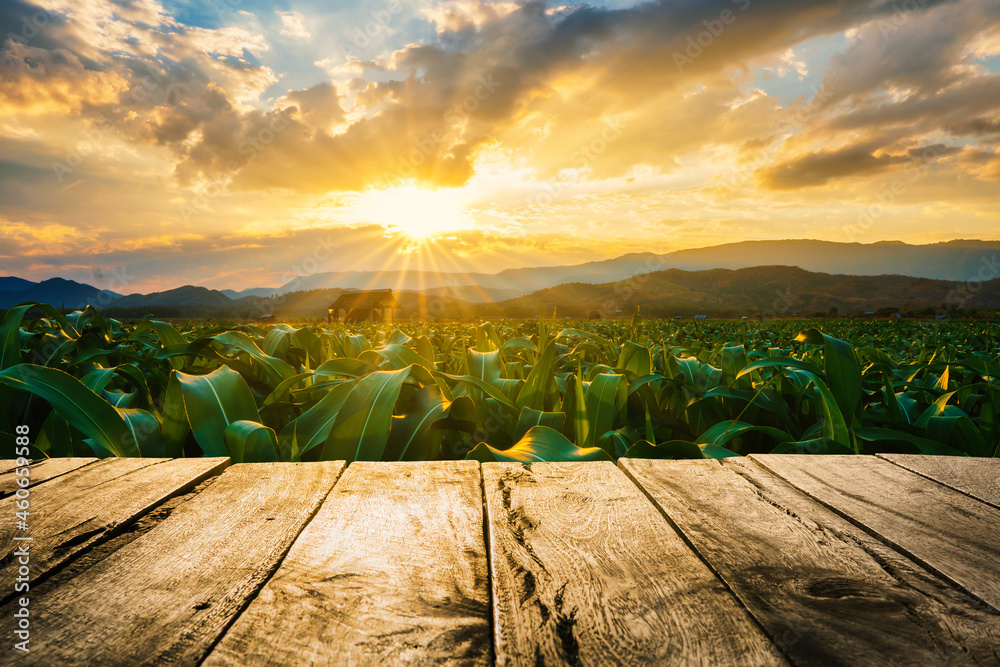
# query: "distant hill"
253, 291
954, 260
505, 283
770, 291
847, 276
189, 295
56, 292
313, 303
394, 280
472, 293
14, 284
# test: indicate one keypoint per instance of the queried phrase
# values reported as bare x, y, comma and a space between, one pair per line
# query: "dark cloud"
436, 103
818, 168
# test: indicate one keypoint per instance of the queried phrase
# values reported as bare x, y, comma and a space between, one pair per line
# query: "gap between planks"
945, 531
827, 592
166, 597
975, 477
88, 506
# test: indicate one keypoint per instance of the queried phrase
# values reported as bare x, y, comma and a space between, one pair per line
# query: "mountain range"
953, 260
799, 275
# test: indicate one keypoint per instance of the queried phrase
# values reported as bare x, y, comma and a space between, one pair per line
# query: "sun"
416, 212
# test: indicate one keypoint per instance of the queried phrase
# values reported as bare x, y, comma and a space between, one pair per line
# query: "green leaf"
540, 443
78, 405
484, 365
361, 430
716, 452
538, 392
411, 435
213, 402
312, 427
842, 369
175, 427
619, 441
529, 418
635, 359
10, 339
168, 336
672, 449
275, 369
923, 445
721, 433
734, 360
402, 357
834, 426
781, 362
249, 441
603, 396
575, 409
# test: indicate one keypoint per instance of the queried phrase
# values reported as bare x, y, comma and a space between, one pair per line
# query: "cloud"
319, 105
815, 169
456, 15
24, 240
293, 25
512, 100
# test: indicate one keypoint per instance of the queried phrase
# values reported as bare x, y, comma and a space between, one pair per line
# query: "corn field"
508, 391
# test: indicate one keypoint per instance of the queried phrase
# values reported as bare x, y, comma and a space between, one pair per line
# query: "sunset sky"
234, 143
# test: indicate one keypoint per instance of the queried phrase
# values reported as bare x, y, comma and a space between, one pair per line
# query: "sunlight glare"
416, 212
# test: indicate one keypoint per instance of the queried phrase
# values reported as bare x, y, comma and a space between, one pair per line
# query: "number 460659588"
21, 441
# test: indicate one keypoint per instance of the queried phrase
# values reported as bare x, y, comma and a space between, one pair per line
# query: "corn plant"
532, 390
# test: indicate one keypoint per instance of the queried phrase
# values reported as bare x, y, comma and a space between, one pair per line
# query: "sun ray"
416, 212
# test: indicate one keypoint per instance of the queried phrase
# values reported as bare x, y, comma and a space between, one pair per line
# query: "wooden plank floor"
766, 560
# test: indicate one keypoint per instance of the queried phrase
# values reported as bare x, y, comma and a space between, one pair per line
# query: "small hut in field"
363, 306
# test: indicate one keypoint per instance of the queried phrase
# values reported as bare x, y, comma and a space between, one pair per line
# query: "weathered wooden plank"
167, 597
587, 571
42, 471
978, 477
824, 590
946, 531
392, 569
89, 505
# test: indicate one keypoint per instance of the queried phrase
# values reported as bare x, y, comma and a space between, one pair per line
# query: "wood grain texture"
946, 531
978, 477
167, 597
392, 570
42, 471
585, 570
85, 507
818, 585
